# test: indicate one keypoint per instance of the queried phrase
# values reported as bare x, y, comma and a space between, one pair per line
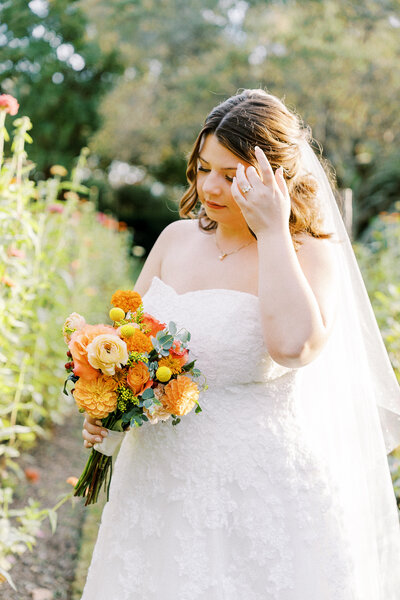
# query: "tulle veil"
349, 401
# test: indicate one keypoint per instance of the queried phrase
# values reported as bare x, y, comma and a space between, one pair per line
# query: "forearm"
290, 317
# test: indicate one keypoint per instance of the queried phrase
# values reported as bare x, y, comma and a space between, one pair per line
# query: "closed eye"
200, 168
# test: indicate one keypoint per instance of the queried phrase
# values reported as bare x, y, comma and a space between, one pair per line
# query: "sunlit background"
112, 94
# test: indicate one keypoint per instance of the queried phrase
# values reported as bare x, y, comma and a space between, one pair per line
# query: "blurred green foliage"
52, 63
378, 255
57, 255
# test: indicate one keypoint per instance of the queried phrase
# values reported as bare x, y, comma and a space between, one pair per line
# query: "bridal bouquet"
134, 371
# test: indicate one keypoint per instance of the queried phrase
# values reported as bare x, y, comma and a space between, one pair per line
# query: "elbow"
298, 356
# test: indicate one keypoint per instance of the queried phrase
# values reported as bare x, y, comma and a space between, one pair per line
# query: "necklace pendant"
222, 256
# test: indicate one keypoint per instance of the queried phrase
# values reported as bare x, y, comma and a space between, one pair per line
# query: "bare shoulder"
173, 234
317, 258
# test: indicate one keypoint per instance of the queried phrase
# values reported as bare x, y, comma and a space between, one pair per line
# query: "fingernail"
99, 439
104, 432
99, 423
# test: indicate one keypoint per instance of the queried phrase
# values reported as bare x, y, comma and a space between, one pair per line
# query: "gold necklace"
224, 254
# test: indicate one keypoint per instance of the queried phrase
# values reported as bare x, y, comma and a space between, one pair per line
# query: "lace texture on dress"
231, 504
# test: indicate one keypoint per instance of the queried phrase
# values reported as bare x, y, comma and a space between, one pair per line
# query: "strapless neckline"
203, 291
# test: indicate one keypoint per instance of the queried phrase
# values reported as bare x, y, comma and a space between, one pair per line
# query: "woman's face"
216, 167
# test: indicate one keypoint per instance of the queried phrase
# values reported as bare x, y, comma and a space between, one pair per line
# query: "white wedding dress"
230, 504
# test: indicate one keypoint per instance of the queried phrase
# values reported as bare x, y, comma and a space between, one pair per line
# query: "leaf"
7, 576
172, 327
148, 393
148, 403
188, 366
52, 518
198, 409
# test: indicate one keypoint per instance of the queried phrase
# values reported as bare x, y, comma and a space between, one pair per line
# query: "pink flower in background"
55, 208
15, 252
9, 104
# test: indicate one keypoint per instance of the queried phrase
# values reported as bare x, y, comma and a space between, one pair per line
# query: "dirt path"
52, 563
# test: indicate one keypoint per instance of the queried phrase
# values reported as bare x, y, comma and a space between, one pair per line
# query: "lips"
214, 204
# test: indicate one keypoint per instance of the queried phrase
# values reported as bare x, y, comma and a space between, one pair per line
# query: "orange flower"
97, 397
120, 376
180, 395
172, 363
7, 281
127, 300
138, 342
72, 481
151, 325
138, 378
32, 474
179, 353
80, 339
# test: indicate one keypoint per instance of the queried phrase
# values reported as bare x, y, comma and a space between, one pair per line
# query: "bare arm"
298, 296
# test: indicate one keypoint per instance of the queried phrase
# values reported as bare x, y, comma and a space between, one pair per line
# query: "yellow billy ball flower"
116, 314
127, 330
163, 374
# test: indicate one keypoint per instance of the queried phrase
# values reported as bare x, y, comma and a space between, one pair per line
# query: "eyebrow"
223, 168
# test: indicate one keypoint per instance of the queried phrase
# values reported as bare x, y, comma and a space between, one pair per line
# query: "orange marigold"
172, 363
180, 395
138, 342
127, 300
98, 397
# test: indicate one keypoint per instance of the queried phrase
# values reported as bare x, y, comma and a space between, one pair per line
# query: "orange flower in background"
172, 363
78, 347
9, 104
151, 325
98, 397
138, 342
138, 378
32, 474
7, 281
127, 300
180, 395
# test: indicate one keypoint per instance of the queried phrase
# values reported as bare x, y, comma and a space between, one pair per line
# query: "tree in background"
335, 62
52, 62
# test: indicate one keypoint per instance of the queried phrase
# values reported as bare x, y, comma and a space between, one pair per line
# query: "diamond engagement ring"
246, 189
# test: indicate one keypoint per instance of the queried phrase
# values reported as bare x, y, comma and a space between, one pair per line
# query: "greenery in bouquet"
135, 371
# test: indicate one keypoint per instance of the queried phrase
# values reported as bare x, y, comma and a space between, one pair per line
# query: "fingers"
236, 193
280, 180
91, 432
268, 176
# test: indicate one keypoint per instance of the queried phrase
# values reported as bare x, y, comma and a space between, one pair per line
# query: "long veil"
349, 400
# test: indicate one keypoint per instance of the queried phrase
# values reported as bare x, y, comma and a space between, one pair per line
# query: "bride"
280, 489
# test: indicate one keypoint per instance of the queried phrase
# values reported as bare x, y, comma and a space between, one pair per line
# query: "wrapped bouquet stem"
134, 371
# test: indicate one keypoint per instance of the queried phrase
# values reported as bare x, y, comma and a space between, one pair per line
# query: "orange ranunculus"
80, 339
138, 378
98, 397
128, 300
178, 352
138, 342
151, 325
180, 395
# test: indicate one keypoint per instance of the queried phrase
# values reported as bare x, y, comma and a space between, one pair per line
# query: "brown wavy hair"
256, 118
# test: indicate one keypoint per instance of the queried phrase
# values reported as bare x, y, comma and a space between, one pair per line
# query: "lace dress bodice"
231, 503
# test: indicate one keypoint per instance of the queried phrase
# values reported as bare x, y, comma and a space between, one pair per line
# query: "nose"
212, 184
